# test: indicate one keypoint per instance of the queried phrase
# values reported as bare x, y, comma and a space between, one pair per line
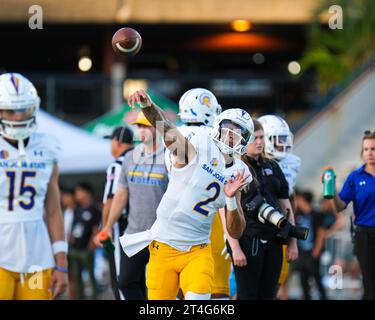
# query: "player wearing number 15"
28, 189
206, 174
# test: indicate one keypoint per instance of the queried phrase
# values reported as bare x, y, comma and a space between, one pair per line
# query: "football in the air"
126, 41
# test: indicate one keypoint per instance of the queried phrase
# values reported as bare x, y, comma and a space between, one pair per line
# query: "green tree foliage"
335, 53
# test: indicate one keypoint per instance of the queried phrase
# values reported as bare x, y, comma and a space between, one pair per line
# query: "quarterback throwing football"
205, 175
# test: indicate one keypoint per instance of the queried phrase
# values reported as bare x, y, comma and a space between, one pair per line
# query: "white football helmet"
199, 106
19, 96
277, 135
242, 127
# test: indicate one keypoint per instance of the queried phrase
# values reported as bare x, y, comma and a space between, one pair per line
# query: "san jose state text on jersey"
24, 181
216, 175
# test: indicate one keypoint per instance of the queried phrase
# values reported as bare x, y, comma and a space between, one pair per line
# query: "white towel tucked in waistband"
133, 243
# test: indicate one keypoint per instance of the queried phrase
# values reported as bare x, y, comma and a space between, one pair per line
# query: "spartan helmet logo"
205, 99
15, 81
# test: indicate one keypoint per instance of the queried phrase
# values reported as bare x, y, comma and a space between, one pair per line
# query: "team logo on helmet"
15, 82
205, 99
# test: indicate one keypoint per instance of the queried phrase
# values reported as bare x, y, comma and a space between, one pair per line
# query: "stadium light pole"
118, 76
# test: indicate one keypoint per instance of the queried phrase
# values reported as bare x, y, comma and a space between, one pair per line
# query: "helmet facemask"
19, 103
232, 138
282, 144
17, 129
278, 137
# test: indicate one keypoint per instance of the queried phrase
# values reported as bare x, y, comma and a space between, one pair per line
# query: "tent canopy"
104, 125
81, 152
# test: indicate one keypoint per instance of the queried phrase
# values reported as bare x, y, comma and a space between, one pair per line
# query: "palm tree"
335, 53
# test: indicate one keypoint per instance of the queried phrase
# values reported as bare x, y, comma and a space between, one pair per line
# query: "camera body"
265, 212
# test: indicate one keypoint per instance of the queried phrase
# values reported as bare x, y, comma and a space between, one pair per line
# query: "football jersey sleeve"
290, 167
169, 157
238, 168
54, 146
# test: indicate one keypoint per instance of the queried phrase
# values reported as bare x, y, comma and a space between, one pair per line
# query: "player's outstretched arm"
238, 257
55, 225
181, 148
235, 220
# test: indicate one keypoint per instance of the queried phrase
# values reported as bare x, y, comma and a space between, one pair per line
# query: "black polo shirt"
83, 223
273, 186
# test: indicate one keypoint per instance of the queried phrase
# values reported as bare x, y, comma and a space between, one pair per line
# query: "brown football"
126, 41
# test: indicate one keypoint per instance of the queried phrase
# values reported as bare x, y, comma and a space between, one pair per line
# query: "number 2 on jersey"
199, 206
23, 189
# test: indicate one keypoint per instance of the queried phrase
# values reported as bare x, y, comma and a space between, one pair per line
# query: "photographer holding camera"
257, 255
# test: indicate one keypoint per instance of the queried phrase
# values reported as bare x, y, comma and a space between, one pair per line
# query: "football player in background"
279, 146
205, 176
198, 109
31, 267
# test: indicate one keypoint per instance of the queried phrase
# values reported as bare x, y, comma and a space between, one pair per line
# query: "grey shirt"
146, 178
